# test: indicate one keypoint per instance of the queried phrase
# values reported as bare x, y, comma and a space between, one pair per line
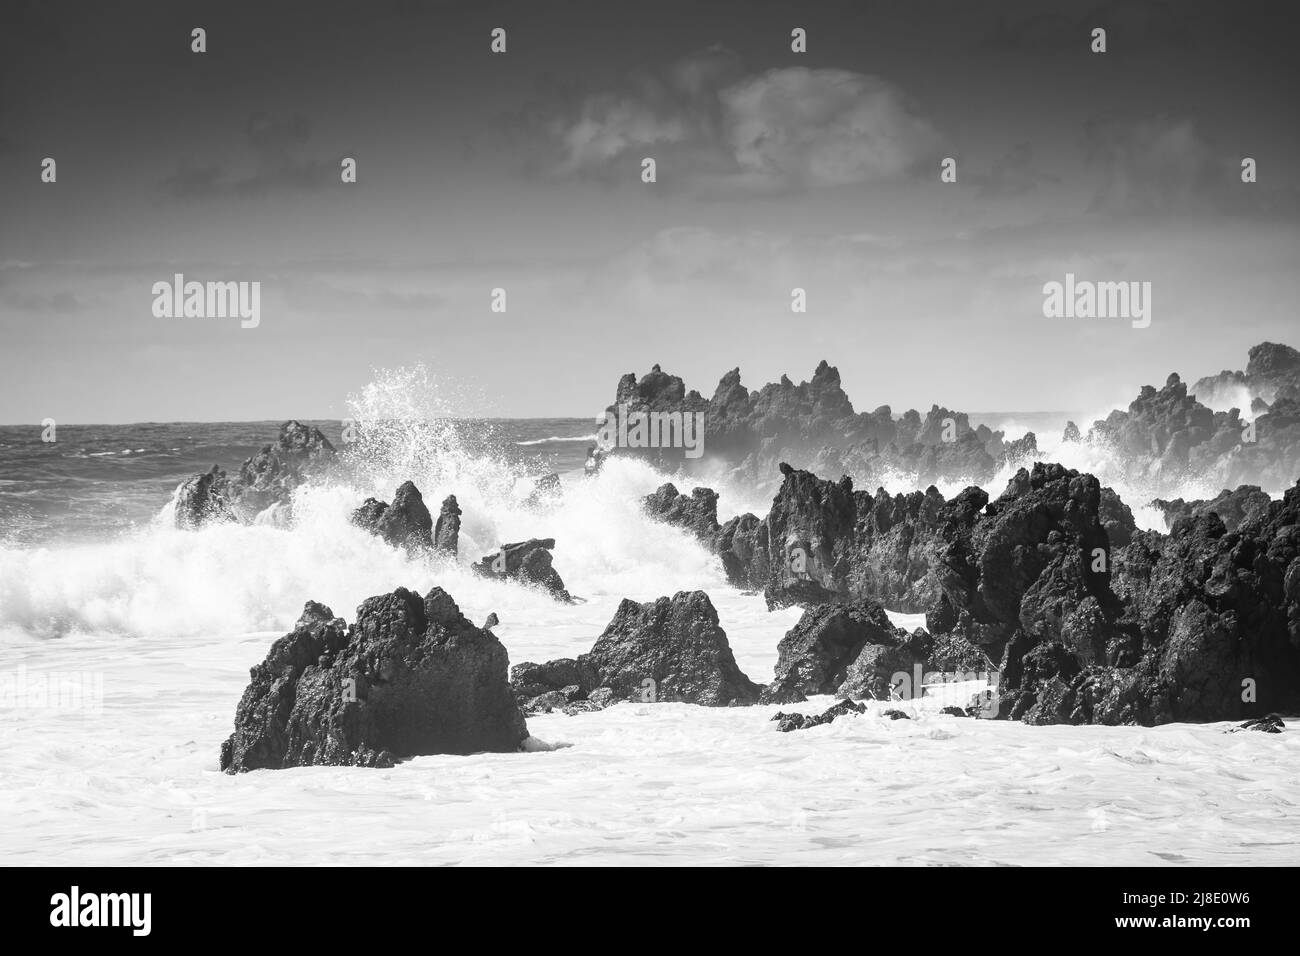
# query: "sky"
522, 170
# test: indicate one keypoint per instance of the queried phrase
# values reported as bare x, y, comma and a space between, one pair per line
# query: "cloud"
274, 145
1154, 166
708, 122
1013, 175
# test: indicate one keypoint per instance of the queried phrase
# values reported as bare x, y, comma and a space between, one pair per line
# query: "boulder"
409, 677
529, 562
672, 649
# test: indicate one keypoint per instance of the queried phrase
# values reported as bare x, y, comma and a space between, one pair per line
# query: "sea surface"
125, 645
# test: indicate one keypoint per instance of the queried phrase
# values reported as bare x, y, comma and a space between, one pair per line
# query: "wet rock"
406, 523
528, 562
671, 649
409, 677
815, 655
272, 475
788, 722
1271, 724
697, 513
204, 500
1232, 507
446, 533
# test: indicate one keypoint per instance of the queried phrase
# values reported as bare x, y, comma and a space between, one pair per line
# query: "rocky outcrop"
812, 423
406, 523
1162, 438
264, 484
271, 476
697, 513
1210, 630
446, 533
1272, 372
203, 500
528, 562
672, 649
411, 676
815, 655
1233, 507
1166, 437
872, 674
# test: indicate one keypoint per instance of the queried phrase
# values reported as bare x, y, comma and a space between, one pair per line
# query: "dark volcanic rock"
788, 722
270, 477
1272, 724
664, 650
871, 675
815, 654
411, 676
529, 562
697, 514
1272, 371
1232, 507
677, 644
203, 500
406, 523
264, 483
446, 533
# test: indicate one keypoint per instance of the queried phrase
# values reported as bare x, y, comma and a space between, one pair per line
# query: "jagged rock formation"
816, 653
672, 649
1164, 436
1232, 507
529, 562
1090, 619
265, 482
410, 676
1272, 372
814, 423
446, 533
406, 523
1167, 436
697, 513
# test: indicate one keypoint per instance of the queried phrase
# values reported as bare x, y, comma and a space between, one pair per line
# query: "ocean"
125, 645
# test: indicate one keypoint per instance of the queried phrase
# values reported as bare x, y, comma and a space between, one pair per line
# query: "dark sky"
522, 170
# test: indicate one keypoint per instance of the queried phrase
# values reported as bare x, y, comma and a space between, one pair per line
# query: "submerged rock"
788, 722
1272, 724
410, 676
